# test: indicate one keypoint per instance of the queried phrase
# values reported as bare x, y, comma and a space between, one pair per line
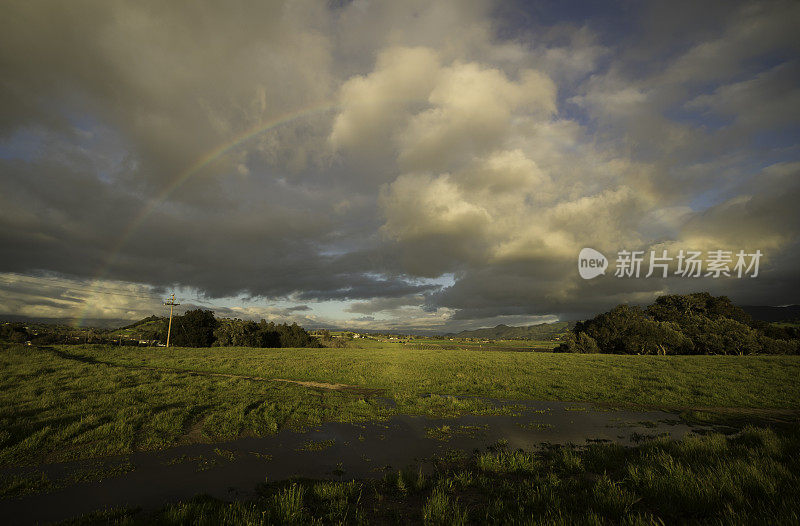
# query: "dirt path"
355, 389
304, 383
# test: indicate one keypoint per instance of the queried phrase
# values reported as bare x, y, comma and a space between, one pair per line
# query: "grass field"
482, 345
747, 479
64, 403
68, 402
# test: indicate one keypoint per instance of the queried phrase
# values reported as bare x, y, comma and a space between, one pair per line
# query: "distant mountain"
541, 331
100, 323
772, 314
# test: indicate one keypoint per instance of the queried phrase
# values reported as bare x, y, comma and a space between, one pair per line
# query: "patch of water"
337, 451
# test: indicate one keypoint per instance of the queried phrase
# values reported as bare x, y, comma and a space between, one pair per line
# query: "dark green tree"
696, 323
194, 329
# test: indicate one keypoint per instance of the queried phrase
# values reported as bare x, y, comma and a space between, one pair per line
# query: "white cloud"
471, 113
418, 205
375, 105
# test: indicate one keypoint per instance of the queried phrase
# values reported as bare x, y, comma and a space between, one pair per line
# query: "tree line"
696, 323
195, 328
200, 328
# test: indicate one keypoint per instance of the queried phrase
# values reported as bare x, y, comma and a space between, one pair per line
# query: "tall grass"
442, 509
747, 478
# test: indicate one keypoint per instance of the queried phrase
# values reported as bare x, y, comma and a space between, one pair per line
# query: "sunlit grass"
674, 381
70, 402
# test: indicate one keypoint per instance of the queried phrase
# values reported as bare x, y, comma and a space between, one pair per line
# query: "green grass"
54, 408
317, 445
665, 381
481, 345
747, 478
32, 480
445, 432
70, 402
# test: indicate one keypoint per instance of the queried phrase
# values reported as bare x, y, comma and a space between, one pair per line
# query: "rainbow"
201, 162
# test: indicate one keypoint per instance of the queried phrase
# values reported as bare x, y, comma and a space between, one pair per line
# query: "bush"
13, 332
582, 343
678, 324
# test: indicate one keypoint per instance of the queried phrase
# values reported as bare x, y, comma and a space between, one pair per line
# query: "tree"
696, 323
682, 307
194, 329
240, 333
580, 343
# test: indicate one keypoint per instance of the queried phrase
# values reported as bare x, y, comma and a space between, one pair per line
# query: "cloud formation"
420, 164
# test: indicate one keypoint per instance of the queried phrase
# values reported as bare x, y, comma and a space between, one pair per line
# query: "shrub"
678, 324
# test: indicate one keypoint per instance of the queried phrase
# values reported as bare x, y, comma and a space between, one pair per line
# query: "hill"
150, 328
773, 314
541, 331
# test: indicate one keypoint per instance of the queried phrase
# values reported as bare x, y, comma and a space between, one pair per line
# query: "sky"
406, 166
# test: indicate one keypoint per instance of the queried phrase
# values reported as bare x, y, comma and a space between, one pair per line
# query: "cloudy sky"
404, 165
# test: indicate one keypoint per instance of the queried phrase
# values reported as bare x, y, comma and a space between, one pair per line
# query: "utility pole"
171, 303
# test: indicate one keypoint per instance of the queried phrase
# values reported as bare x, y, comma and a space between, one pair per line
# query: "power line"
59, 282
86, 289
14, 278
71, 289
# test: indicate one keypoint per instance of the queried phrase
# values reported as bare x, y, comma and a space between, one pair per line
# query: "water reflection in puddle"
332, 451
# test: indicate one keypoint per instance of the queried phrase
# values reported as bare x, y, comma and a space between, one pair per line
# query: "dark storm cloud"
363, 287
402, 141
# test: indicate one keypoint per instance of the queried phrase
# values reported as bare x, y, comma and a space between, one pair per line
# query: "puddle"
336, 451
